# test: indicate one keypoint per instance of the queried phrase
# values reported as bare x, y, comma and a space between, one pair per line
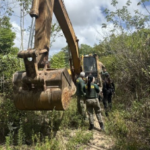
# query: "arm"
97, 88
82, 85
84, 89
113, 86
104, 90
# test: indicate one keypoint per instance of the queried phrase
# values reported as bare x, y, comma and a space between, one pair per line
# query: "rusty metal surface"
27, 53
30, 53
51, 90
40, 100
43, 29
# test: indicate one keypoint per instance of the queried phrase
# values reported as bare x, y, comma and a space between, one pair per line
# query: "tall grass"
47, 130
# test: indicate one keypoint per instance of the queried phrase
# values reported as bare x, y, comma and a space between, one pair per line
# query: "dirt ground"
100, 140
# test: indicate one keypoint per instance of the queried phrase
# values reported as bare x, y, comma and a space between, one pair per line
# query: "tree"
129, 63
58, 60
123, 20
8, 53
7, 36
85, 49
55, 32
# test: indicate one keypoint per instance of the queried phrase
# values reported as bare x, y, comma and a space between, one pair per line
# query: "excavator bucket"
47, 89
51, 89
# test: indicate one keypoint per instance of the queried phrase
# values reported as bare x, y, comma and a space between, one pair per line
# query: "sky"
86, 16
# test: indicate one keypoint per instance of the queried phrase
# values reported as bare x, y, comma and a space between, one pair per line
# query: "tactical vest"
79, 86
93, 93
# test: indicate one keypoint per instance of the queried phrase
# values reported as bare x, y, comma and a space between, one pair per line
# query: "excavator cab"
90, 66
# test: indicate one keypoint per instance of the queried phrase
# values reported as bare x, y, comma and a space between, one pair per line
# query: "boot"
106, 113
91, 127
101, 126
110, 106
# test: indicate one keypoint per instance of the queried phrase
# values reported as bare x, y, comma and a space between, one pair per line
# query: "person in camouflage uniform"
81, 95
92, 102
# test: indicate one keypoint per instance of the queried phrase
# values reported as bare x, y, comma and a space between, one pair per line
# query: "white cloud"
17, 41
86, 17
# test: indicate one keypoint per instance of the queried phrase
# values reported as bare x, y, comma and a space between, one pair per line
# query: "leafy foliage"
55, 32
8, 61
127, 58
129, 65
85, 49
123, 19
7, 8
58, 60
7, 36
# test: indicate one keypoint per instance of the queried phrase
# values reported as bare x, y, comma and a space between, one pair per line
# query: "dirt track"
100, 140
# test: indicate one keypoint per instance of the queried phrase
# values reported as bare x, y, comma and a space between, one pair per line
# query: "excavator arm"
43, 11
66, 26
46, 89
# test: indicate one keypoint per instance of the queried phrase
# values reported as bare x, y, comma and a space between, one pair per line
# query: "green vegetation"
127, 58
48, 130
28, 129
126, 55
58, 60
129, 64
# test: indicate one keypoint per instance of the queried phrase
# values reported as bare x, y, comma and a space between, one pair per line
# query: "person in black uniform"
108, 90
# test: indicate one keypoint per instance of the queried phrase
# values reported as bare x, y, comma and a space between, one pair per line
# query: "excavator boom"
66, 26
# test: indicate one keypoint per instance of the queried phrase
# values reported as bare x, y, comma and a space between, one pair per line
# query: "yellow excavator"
91, 65
40, 87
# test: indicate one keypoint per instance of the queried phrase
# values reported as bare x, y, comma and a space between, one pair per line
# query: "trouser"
93, 104
81, 107
107, 101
